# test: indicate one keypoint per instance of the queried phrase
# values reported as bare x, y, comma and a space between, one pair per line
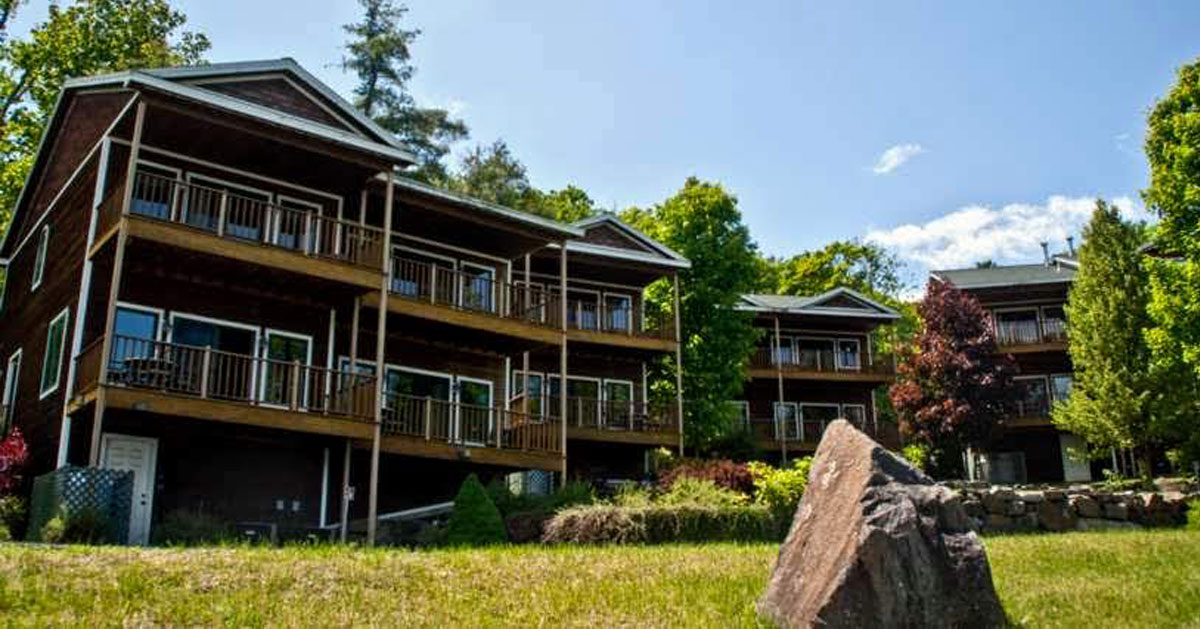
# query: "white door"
138, 454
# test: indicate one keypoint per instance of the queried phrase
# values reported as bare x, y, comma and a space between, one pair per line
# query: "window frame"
39, 259
44, 391
12, 384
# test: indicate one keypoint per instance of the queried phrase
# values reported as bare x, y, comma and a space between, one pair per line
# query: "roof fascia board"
284, 65
248, 109
625, 254
566, 231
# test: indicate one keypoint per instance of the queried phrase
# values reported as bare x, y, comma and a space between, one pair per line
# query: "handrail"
615, 415
469, 425
798, 428
474, 292
591, 316
765, 358
208, 373
1030, 332
240, 217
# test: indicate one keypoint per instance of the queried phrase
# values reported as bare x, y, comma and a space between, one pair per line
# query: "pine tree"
379, 54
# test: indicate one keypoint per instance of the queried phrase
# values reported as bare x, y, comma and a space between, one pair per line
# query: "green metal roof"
1060, 270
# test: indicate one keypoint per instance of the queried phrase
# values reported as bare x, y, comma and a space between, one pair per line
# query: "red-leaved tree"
952, 388
13, 456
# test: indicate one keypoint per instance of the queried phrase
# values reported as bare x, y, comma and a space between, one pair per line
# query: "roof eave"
626, 254
562, 230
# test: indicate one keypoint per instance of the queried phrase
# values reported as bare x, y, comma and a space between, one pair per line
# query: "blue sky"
1004, 119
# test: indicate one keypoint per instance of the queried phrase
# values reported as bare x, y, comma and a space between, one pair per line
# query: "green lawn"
1082, 579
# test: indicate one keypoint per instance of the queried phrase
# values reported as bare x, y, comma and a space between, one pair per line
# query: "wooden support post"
114, 288
345, 492
562, 390
380, 346
205, 369
678, 363
779, 378
525, 354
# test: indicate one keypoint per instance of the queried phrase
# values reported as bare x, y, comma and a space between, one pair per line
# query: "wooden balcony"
476, 301
800, 435
223, 223
489, 435
765, 364
207, 384
589, 322
1025, 337
617, 421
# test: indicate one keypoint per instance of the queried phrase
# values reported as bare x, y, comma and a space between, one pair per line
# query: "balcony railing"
206, 373
475, 292
828, 362
597, 317
1010, 333
248, 219
468, 425
794, 429
623, 416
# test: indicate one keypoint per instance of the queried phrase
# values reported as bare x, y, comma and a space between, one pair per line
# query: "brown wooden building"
1026, 303
815, 363
219, 278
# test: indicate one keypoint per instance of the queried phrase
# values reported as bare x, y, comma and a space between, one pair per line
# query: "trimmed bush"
476, 521
609, 524
723, 473
696, 492
14, 515
82, 526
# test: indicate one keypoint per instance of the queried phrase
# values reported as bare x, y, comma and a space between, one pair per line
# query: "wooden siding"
280, 95
609, 236
27, 314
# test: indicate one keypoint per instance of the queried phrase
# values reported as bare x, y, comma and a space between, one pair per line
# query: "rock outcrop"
875, 543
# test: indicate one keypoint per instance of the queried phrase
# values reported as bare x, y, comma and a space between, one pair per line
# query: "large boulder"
875, 543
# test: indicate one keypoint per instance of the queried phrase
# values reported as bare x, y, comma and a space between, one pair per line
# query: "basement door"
140, 455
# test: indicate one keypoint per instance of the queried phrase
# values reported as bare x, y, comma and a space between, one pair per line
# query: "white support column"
678, 362
324, 487
562, 387
331, 358
380, 361
346, 492
525, 303
778, 359
81, 303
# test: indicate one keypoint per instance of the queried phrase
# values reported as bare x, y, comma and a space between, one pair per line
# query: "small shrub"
509, 503
723, 473
5, 535
1193, 515
917, 455
632, 496
688, 491
1115, 482
780, 490
527, 527
659, 524
54, 531
13, 515
189, 528
476, 521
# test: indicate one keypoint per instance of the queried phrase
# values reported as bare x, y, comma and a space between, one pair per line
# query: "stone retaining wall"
1005, 509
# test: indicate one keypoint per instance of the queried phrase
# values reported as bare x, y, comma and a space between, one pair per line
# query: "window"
477, 287
583, 399
56, 334
231, 374
618, 403
39, 260
155, 192
815, 417
787, 351
1017, 327
848, 357
618, 312
1060, 387
423, 276
1054, 323
245, 208
583, 310
135, 332
1035, 399
292, 224
787, 421
855, 413
12, 378
285, 372
534, 391
816, 354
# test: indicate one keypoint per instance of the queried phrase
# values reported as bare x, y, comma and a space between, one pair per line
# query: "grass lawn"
1080, 579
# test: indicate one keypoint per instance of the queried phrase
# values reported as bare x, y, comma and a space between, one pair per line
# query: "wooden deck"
481, 321
479, 454
827, 376
616, 339
612, 435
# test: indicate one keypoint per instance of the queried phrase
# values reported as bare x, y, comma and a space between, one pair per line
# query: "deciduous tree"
952, 388
1117, 397
87, 37
702, 222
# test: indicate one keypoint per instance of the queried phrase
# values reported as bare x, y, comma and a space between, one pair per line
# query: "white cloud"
896, 157
1009, 234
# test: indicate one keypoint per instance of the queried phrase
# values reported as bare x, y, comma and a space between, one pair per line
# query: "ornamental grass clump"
476, 521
